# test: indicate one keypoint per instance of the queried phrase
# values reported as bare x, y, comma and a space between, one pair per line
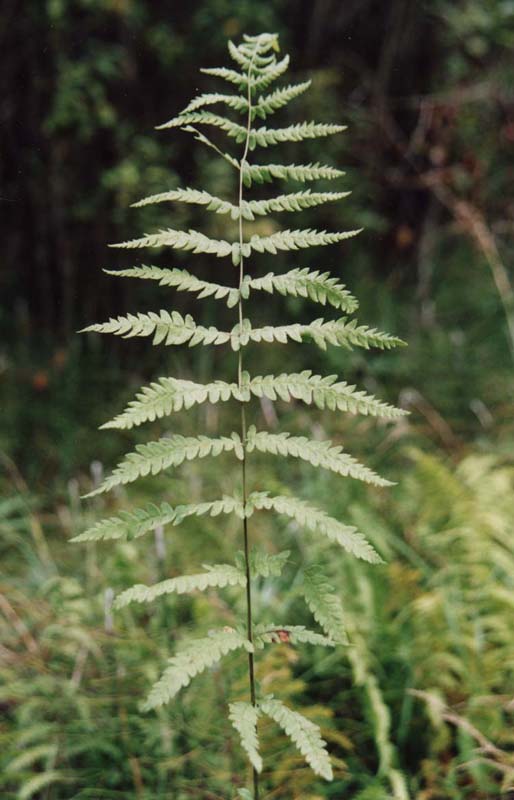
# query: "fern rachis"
256, 69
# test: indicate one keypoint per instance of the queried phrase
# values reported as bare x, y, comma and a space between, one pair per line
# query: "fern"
319, 454
256, 68
193, 659
243, 717
303, 733
219, 575
133, 524
324, 604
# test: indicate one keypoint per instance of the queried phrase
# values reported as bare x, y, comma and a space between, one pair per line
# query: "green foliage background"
421, 705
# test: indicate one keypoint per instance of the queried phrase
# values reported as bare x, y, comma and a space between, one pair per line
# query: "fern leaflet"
318, 454
303, 733
325, 604
219, 575
243, 717
152, 458
195, 657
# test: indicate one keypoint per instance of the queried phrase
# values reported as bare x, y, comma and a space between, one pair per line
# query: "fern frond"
280, 97
217, 575
194, 197
303, 733
196, 656
317, 286
338, 332
264, 137
294, 240
235, 101
307, 516
296, 201
180, 240
262, 564
133, 524
232, 129
256, 68
169, 395
181, 280
293, 634
243, 717
166, 328
319, 454
250, 56
325, 604
323, 392
269, 75
226, 74
154, 457
174, 329
265, 173
261, 137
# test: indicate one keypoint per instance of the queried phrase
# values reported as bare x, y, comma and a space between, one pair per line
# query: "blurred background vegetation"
420, 706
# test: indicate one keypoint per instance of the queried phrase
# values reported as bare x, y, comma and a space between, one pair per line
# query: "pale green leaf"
195, 657
154, 457
243, 717
303, 733
180, 240
318, 454
325, 605
217, 575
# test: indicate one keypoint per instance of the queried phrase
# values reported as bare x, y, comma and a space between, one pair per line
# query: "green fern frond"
319, 454
262, 564
195, 657
166, 328
192, 240
325, 605
296, 201
169, 395
269, 75
226, 74
265, 105
234, 101
323, 392
193, 197
154, 457
174, 329
280, 97
133, 524
339, 333
303, 733
265, 173
181, 280
293, 634
258, 137
217, 575
257, 67
264, 137
317, 286
294, 240
307, 516
244, 717
232, 129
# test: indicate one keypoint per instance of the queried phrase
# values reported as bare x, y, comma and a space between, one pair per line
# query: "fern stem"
249, 622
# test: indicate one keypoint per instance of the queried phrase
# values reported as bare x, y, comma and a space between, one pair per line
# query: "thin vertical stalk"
249, 623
